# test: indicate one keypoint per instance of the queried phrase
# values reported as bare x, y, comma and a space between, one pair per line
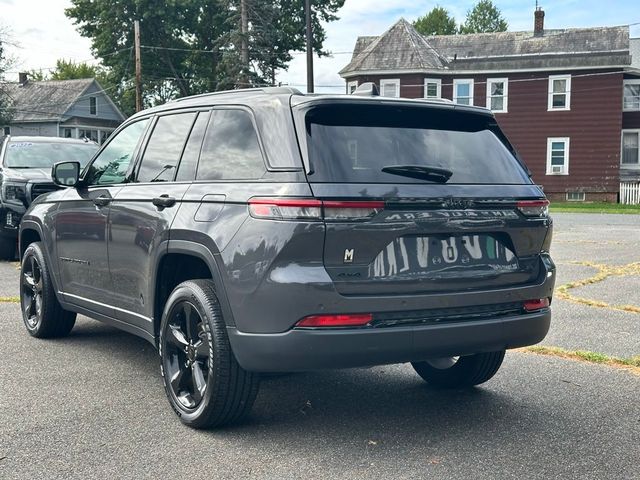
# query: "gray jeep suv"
270, 231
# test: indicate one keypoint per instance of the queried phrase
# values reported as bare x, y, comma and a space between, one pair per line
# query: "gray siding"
39, 129
105, 110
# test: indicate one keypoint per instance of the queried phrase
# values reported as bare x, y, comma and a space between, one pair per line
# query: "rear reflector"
353, 320
534, 208
533, 305
312, 209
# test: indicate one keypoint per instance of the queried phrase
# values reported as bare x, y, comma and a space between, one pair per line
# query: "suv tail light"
351, 210
285, 209
534, 208
538, 304
312, 209
345, 320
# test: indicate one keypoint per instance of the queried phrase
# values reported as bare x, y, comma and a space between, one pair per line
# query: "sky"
43, 34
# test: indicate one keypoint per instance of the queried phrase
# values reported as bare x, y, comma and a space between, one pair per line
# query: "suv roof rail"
437, 100
241, 91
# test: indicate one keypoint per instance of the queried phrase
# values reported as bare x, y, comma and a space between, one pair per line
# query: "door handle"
164, 201
102, 201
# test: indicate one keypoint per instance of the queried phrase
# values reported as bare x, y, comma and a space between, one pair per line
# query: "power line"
345, 52
92, 59
575, 32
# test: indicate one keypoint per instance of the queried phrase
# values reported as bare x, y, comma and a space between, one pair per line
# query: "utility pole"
244, 48
307, 12
136, 41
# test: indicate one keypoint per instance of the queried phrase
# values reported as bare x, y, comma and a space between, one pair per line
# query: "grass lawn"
593, 207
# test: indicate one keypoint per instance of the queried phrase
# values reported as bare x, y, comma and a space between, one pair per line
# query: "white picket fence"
630, 193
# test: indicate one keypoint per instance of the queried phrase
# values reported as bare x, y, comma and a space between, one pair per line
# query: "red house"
569, 100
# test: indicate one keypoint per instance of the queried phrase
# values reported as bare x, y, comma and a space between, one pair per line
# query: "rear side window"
230, 150
165, 146
353, 143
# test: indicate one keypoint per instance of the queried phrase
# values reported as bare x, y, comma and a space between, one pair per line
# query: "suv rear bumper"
306, 349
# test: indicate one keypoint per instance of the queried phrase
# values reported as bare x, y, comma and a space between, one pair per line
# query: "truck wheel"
7, 249
453, 372
43, 315
202, 379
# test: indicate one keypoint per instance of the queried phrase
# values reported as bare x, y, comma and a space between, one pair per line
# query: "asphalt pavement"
92, 405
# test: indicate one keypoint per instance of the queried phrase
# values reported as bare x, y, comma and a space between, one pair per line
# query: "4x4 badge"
348, 255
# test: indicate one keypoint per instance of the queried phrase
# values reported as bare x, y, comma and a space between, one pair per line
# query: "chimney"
23, 77
538, 23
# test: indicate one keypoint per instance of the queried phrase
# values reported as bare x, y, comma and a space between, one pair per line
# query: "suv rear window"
353, 143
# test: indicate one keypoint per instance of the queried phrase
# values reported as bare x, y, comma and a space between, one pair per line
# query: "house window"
497, 94
104, 134
351, 87
575, 196
89, 134
67, 133
559, 92
631, 95
390, 87
463, 91
432, 88
7, 130
630, 152
558, 156
93, 105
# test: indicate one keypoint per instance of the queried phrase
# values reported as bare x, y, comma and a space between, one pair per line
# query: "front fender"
38, 220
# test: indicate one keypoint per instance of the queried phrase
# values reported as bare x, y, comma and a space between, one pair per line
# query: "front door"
82, 223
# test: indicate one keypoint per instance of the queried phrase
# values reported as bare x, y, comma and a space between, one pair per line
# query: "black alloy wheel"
187, 355
32, 291
43, 315
204, 383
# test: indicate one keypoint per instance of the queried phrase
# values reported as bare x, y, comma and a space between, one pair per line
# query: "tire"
8, 249
204, 383
457, 372
42, 314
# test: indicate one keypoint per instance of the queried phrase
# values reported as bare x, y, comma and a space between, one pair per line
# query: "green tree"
193, 46
484, 17
37, 75
70, 70
437, 22
5, 64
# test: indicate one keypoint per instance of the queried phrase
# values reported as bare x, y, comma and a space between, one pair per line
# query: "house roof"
399, 47
560, 48
44, 101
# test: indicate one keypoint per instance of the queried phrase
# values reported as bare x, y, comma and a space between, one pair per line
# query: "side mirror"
66, 174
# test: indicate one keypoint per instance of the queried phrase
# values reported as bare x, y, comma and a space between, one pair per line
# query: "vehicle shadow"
367, 403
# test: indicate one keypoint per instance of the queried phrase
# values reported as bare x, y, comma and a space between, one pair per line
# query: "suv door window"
112, 163
231, 149
165, 146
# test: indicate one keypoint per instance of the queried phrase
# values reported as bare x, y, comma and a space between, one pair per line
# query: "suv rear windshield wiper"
421, 172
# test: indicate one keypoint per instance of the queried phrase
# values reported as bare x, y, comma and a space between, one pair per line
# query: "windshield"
44, 155
375, 143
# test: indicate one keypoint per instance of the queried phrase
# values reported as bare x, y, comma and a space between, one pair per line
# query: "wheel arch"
195, 261
30, 232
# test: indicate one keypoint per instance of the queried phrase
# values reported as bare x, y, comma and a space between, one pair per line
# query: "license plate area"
444, 256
